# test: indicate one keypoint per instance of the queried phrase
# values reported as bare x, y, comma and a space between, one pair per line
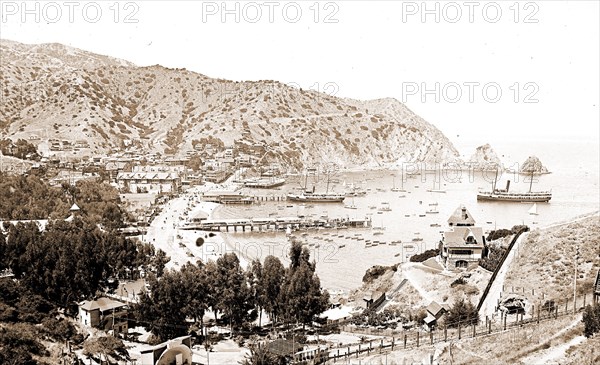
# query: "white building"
149, 182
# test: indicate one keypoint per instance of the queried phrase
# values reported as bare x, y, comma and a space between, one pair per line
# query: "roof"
429, 319
74, 208
435, 309
457, 237
148, 176
103, 304
284, 347
461, 216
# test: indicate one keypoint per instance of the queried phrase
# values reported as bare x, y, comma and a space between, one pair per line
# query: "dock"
236, 197
275, 224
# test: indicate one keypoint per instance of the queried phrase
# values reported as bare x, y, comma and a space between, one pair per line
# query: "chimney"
464, 213
507, 185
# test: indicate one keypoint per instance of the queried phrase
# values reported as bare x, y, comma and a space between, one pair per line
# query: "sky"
486, 71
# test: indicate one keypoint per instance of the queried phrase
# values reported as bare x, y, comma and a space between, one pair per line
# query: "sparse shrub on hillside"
499, 233
495, 255
376, 271
591, 319
459, 281
462, 313
425, 255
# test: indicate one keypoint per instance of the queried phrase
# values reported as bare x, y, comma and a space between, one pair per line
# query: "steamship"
504, 195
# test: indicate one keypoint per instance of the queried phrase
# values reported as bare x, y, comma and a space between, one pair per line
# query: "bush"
459, 281
520, 228
425, 255
492, 261
499, 233
199, 241
549, 306
591, 319
463, 313
59, 329
374, 272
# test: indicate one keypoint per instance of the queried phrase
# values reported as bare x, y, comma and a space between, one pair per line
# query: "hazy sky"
542, 56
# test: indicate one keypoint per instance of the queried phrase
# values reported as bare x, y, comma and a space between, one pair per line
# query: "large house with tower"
462, 243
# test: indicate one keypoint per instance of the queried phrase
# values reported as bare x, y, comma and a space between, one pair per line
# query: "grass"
545, 265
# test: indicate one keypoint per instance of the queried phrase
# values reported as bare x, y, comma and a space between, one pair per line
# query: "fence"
401, 339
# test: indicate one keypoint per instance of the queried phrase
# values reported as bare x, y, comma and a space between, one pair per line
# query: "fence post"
392, 343
405, 340
538, 309
474, 329
459, 331
358, 352
381, 348
431, 337
489, 327
556, 311
417, 338
505, 321
584, 295
567, 305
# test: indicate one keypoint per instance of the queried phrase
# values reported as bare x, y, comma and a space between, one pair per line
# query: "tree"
271, 283
591, 319
159, 261
233, 291
462, 313
260, 355
162, 311
108, 346
195, 285
301, 295
254, 275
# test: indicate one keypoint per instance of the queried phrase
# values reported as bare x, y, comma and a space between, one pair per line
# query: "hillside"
545, 263
52, 91
485, 158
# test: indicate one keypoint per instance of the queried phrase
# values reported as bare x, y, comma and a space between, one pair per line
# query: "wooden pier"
229, 197
275, 224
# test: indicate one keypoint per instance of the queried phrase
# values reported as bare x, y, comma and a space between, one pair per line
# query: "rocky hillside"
53, 91
533, 164
485, 158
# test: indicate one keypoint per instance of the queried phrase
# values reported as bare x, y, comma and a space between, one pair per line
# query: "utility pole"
575, 281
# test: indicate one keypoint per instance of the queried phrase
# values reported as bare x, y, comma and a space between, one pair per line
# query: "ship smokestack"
507, 185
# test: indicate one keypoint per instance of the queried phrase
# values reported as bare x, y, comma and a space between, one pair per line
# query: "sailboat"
533, 209
401, 189
433, 210
351, 206
434, 190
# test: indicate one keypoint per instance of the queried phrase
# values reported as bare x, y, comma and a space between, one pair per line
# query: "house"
104, 313
435, 311
462, 243
177, 351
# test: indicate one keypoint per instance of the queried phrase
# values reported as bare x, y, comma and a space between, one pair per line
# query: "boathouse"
462, 243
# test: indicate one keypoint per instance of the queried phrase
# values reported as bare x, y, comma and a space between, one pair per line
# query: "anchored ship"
505, 195
312, 196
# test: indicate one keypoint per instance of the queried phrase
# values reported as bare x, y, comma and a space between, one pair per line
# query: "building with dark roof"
104, 313
462, 243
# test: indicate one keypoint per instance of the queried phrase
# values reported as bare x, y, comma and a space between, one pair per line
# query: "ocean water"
342, 259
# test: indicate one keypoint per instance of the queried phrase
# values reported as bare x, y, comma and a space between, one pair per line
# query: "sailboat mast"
531, 180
